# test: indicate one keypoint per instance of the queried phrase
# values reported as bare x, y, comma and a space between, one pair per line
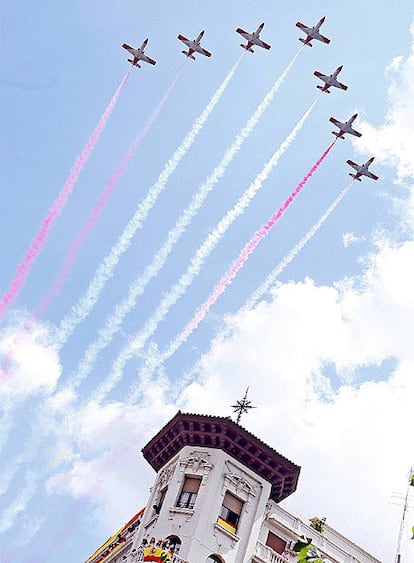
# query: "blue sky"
327, 353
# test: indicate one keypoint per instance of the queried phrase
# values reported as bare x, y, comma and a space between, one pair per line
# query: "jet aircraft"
330, 80
362, 170
312, 33
345, 127
252, 39
138, 54
193, 46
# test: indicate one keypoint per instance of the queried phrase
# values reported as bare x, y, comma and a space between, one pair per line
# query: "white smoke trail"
30, 448
114, 322
138, 341
105, 271
19, 504
155, 359
271, 278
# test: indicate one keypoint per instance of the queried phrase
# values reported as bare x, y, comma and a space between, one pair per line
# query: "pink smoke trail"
41, 236
242, 259
87, 227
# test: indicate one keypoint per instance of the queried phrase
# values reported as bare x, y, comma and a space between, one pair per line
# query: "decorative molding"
240, 484
165, 475
197, 462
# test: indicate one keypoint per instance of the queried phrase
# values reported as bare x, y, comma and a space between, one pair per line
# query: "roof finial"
242, 406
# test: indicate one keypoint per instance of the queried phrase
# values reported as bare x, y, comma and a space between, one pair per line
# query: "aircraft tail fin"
246, 48
305, 41
134, 63
355, 177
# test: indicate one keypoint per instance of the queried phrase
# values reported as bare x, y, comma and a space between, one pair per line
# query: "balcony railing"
265, 553
138, 556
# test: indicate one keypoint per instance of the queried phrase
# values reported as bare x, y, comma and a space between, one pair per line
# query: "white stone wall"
197, 528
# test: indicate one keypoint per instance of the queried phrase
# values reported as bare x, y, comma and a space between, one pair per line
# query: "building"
216, 499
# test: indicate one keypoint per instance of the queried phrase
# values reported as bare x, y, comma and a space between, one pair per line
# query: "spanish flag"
157, 554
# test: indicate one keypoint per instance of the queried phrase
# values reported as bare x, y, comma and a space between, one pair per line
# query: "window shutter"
275, 543
233, 503
191, 485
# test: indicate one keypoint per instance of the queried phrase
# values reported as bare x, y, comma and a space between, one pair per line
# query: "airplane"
252, 39
362, 170
330, 80
312, 33
345, 127
138, 54
193, 46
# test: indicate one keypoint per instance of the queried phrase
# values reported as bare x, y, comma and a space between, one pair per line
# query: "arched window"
214, 559
175, 543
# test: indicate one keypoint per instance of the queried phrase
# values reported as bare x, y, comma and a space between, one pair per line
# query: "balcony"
138, 556
265, 554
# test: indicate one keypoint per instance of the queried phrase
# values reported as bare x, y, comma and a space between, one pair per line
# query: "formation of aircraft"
138, 54
362, 170
345, 127
252, 39
312, 33
330, 80
194, 46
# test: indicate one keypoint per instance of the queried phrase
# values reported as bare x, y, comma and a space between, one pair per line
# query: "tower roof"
186, 429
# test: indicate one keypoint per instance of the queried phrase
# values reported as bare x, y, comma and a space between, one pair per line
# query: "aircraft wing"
341, 86
205, 52
129, 48
242, 32
371, 175
183, 39
336, 122
354, 132
322, 38
354, 165
148, 60
319, 74
303, 27
261, 43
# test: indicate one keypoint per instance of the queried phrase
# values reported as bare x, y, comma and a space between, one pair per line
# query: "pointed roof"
186, 429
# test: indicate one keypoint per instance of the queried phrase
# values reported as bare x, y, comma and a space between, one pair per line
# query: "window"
230, 512
157, 506
214, 559
189, 492
275, 543
174, 543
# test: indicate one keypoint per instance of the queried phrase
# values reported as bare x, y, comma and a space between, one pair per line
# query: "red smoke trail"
40, 238
242, 259
87, 227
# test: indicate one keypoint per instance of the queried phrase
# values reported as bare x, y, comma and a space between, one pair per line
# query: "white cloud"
30, 364
355, 442
104, 465
393, 142
350, 238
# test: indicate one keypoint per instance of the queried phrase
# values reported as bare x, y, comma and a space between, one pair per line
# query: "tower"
215, 499
213, 481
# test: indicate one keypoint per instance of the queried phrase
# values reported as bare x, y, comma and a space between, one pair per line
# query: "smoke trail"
155, 360
114, 322
271, 278
19, 504
241, 260
41, 236
84, 306
90, 222
139, 340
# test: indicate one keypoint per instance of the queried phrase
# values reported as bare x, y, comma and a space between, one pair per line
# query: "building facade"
216, 498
